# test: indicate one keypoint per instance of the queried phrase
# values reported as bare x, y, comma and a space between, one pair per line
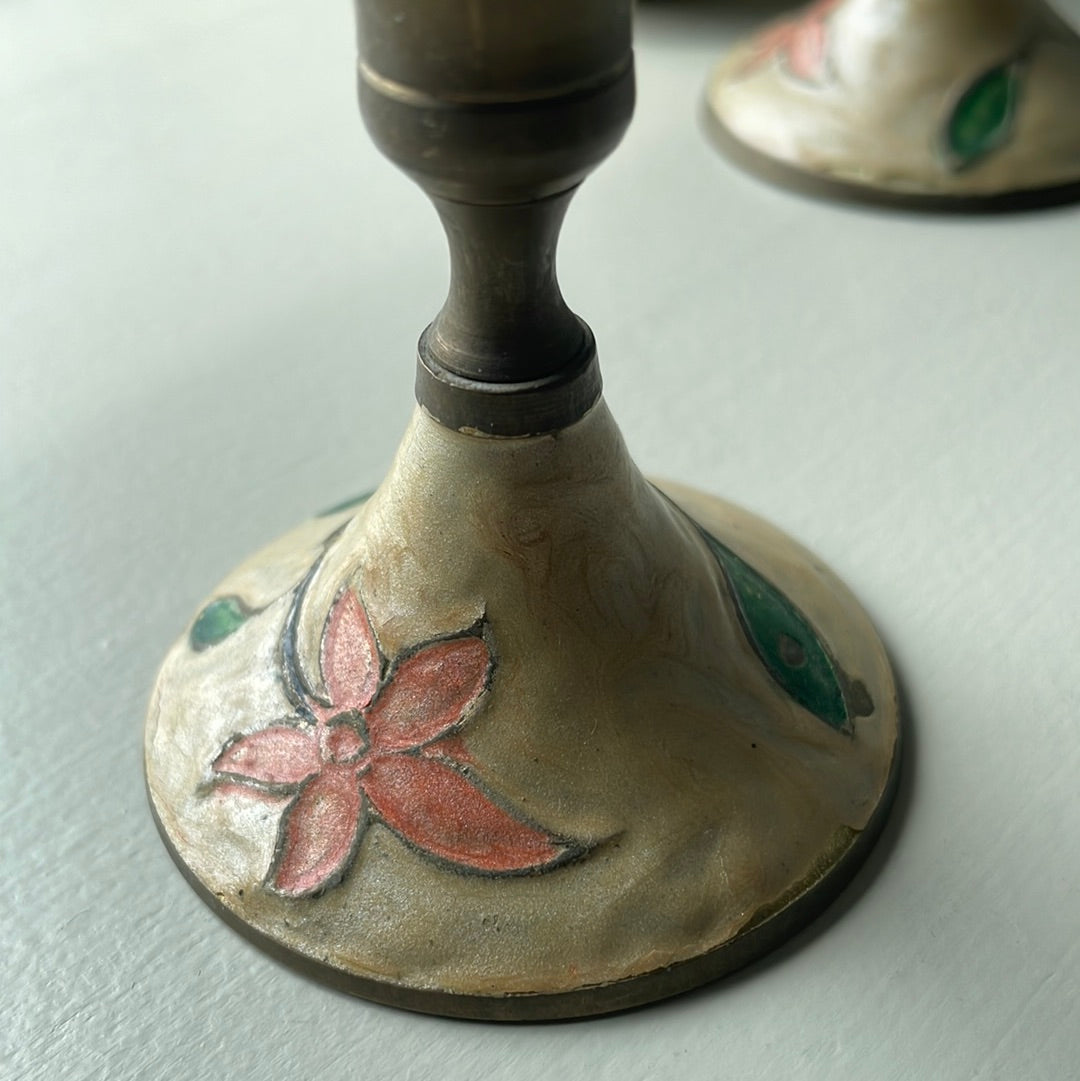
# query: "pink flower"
383, 748
799, 43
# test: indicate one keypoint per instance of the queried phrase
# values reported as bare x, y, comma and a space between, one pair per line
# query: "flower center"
342, 742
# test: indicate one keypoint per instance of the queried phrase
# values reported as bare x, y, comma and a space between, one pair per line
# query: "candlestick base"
523, 736
955, 104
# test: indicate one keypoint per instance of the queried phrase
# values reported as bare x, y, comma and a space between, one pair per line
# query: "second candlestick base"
947, 104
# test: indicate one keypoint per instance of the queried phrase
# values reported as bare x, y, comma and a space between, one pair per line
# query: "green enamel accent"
217, 621
983, 117
348, 504
784, 640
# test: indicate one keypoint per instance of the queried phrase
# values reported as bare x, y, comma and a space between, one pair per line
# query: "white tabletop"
211, 289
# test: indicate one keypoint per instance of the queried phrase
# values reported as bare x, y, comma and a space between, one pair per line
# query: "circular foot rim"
792, 178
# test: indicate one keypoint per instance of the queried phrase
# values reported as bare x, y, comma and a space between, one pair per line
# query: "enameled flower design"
799, 43
381, 745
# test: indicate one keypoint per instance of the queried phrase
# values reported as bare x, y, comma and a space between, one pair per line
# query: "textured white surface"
211, 289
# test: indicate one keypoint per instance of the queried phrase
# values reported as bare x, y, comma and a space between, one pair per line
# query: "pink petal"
451, 748
429, 693
318, 833
279, 755
806, 50
350, 657
773, 37
439, 810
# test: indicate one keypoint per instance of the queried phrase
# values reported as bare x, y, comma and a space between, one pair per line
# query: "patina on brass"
499, 111
520, 735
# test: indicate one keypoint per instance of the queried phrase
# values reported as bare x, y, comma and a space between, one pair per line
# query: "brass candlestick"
954, 104
521, 735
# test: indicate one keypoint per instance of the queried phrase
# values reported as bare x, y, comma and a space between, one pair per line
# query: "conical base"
524, 736
944, 104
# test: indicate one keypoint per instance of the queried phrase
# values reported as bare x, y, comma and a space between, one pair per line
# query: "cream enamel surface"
627, 712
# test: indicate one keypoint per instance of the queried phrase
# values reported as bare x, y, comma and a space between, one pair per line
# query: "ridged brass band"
412, 95
498, 151
526, 407
492, 50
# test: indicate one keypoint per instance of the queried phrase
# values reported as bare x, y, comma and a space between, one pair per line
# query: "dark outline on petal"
363, 821
296, 689
431, 750
380, 660
227, 785
571, 850
353, 719
303, 698
479, 628
277, 789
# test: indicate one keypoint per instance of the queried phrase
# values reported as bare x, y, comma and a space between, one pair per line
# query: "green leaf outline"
784, 640
982, 117
346, 504
217, 620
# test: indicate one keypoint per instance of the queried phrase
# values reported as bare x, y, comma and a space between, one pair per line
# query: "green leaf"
784, 640
217, 621
982, 119
348, 504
